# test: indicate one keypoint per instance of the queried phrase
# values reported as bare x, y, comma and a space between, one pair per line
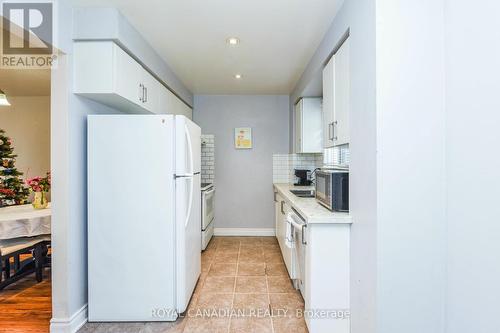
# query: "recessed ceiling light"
233, 41
238, 76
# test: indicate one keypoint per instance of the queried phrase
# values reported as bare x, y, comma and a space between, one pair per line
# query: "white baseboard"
69, 325
244, 232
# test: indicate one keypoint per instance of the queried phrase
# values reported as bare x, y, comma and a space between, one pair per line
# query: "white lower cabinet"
278, 217
319, 266
282, 210
326, 278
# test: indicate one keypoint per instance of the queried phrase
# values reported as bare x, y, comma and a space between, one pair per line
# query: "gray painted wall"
473, 162
110, 24
244, 197
27, 123
359, 17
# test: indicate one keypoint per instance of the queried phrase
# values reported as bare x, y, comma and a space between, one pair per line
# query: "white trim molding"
244, 232
69, 325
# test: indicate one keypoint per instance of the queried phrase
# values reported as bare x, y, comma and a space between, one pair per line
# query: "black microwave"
332, 189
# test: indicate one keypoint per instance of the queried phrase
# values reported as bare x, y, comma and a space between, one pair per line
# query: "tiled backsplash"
285, 164
281, 168
208, 158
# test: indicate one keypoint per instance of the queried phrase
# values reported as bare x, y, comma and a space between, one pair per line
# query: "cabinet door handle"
334, 125
330, 131
304, 242
140, 92
275, 200
145, 94
282, 209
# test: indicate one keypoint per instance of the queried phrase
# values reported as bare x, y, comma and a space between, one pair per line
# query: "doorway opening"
25, 179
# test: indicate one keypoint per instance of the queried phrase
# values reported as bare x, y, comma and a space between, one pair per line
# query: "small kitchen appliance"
303, 177
332, 189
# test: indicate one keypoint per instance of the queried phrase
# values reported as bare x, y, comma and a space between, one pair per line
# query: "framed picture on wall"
243, 138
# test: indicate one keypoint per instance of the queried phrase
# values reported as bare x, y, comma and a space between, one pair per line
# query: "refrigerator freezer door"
188, 147
188, 232
131, 216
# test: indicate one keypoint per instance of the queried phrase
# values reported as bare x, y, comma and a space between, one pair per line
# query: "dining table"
24, 221
24, 229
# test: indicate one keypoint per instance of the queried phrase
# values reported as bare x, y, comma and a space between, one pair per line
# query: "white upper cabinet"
336, 98
125, 73
167, 101
106, 73
308, 129
328, 105
171, 104
342, 95
152, 89
182, 109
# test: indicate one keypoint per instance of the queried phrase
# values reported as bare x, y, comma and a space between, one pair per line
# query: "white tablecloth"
24, 221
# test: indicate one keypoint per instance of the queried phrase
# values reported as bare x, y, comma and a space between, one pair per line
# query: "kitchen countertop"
309, 208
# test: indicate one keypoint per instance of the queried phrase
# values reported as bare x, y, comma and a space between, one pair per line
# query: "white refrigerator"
144, 216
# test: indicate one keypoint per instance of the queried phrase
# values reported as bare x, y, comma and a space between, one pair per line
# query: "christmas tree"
12, 189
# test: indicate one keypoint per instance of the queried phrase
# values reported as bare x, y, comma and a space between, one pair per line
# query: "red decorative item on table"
40, 186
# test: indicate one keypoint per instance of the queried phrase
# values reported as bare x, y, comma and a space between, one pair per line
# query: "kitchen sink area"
304, 193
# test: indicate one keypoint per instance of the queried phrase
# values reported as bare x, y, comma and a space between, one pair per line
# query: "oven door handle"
301, 226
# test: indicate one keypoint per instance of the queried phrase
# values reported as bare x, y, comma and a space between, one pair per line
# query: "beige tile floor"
243, 288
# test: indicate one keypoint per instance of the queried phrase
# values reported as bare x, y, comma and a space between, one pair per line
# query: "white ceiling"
278, 38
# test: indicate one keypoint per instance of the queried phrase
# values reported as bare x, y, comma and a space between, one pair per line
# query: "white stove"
207, 213
206, 186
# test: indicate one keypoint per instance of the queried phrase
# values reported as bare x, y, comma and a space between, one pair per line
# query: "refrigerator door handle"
187, 175
190, 149
190, 204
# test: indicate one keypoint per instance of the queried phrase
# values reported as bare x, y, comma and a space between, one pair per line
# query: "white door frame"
64, 318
